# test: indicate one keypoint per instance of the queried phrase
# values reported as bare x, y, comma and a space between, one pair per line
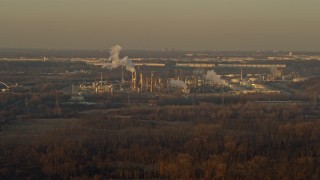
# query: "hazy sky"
157, 24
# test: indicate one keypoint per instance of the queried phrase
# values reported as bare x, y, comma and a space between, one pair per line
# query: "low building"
4, 87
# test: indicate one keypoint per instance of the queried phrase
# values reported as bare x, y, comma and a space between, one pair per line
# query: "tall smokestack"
141, 81
101, 78
151, 81
133, 79
147, 83
122, 79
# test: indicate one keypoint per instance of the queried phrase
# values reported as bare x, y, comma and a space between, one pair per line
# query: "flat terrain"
249, 140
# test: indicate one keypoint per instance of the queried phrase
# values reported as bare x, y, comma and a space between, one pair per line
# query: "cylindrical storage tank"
230, 75
252, 79
245, 83
235, 80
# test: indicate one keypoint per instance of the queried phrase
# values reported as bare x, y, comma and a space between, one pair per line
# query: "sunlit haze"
147, 24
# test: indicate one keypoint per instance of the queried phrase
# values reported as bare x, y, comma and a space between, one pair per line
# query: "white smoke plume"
115, 60
129, 64
213, 77
178, 84
275, 71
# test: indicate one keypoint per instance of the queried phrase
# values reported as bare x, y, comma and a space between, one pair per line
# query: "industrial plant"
179, 89
123, 75
189, 74
135, 115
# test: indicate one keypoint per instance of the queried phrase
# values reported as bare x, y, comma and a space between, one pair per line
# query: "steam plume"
178, 84
212, 76
115, 61
129, 64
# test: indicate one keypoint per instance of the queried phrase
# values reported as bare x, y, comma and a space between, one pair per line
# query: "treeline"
208, 141
42, 66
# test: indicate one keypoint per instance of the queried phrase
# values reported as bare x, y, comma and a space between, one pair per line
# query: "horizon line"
162, 50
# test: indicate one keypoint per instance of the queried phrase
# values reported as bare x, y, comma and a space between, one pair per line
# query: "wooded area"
209, 141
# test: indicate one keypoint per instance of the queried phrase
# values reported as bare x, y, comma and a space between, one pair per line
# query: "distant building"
4, 87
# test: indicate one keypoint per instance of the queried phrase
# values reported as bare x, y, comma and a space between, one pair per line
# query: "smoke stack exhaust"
114, 60
212, 77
